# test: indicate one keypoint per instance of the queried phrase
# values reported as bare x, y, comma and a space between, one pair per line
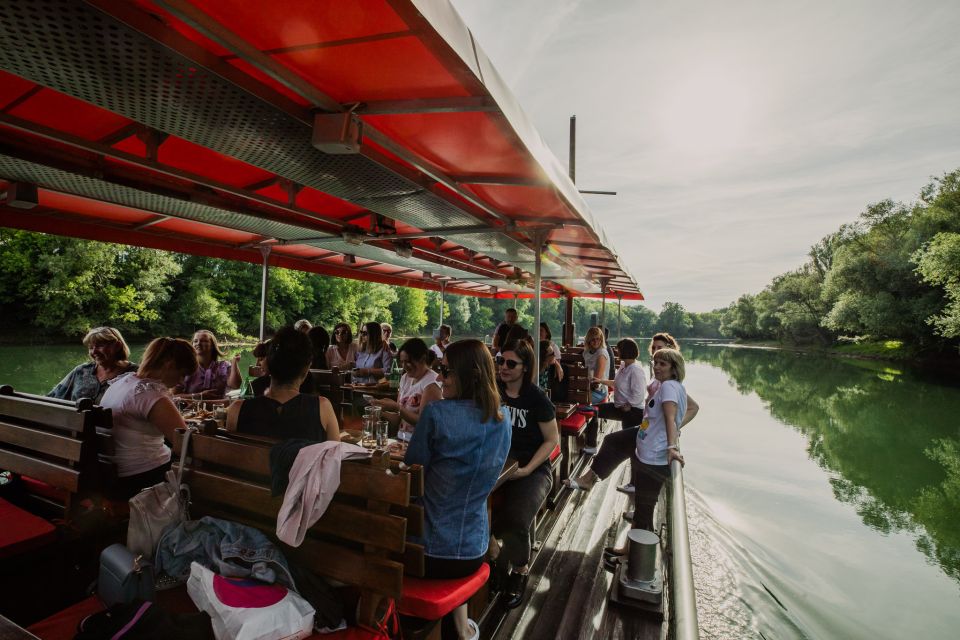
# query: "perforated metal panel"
57, 180
73, 48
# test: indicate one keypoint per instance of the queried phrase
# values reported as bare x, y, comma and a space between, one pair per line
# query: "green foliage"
409, 310
939, 265
889, 275
675, 320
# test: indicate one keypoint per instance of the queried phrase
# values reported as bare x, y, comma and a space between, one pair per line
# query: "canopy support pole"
619, 316
443, 294
569, 335
539, 239
264, 288
604, 283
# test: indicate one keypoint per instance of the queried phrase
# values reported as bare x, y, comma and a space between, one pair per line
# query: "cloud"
739, 133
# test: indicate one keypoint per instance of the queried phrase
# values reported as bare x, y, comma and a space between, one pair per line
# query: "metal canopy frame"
195, 137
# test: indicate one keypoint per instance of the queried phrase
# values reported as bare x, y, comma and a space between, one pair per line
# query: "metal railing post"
683, 595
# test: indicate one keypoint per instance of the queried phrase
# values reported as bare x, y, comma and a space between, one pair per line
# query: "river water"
824, 493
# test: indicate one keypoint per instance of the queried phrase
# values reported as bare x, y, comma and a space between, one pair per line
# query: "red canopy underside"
186, 126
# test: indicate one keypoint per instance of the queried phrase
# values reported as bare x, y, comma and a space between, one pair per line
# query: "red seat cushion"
432, 599
63, 625
573, 425
41, 488
555, 454
350, 633
22, 531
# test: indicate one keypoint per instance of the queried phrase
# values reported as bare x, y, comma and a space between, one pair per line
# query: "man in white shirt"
442, 338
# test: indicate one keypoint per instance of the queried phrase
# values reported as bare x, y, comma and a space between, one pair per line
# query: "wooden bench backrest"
578, 383
55, 441
361, 538
329, 384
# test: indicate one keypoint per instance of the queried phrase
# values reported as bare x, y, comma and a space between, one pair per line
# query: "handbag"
123, 577
159, 507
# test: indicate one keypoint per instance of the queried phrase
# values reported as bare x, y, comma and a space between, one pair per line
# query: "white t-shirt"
437, 350
652, 443
409, 395
138, 444
556, 351
630, 386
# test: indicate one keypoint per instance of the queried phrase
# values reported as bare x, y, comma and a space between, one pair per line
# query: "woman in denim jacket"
462, 443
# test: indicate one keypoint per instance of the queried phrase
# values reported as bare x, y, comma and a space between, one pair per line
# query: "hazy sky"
737, 133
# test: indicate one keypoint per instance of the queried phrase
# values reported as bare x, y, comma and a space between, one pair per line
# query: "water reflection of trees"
891, 438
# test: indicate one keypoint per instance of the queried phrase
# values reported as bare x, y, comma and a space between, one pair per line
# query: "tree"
674, 320
740, 320
939, 265
409, 311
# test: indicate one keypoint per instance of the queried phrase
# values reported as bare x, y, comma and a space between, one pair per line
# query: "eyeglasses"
444, 370
362, 333
510, 364
336, 331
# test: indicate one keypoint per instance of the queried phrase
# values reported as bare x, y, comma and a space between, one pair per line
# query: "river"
824, 493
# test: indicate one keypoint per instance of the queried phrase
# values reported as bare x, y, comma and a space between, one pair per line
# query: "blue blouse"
462, 458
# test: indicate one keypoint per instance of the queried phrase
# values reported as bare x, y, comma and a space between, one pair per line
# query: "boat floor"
568, 590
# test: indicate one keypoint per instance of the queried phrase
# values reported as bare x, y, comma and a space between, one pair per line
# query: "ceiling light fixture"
352, 237
404, 249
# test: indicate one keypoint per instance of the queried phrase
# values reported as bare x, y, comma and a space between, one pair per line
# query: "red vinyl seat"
41, 488
555, 454
573, 425
432, 599
22, 531
63, 624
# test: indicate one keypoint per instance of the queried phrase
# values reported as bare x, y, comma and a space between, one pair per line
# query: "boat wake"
734, 597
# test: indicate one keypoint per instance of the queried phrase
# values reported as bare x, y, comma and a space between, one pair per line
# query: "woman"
535, 435
619, 447
659, 444
261, 383
144, 414
214, 376
319, 343
282, 411
373, 357
342, 354
387, 330
597, 359
109, 355
554, 349
418, 388
462, 443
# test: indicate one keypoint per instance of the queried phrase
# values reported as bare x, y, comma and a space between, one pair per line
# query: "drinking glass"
382, 430
369, 431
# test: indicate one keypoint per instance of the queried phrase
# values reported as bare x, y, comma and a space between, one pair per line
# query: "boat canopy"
367, 139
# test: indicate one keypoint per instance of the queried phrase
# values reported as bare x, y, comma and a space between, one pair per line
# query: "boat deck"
568, 585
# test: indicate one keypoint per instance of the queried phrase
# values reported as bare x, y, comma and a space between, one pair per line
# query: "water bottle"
395, 374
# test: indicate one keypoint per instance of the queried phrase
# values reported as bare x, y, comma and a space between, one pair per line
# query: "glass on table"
382, 433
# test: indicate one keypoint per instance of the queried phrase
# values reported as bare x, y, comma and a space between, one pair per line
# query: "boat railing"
683, 597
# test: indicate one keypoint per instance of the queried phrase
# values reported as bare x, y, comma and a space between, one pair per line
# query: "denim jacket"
231, 549
462, 458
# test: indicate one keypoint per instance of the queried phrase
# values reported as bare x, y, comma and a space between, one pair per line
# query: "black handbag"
124, 577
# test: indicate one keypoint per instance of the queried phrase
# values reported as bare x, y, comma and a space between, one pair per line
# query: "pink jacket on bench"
314, 479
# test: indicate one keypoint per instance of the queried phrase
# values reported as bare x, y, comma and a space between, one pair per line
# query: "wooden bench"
59, 448
329, 384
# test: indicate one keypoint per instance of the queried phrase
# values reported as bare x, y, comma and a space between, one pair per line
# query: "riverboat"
366, 139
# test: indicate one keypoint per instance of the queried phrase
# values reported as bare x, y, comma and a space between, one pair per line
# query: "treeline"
53, 287
892, 274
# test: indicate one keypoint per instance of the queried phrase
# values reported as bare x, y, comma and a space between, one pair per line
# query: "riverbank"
878, 350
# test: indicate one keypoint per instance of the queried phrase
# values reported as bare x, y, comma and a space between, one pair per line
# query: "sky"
736, 133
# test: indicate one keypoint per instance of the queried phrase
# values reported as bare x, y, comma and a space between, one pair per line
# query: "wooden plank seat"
329, 384
359, 541
59, 448
556, 471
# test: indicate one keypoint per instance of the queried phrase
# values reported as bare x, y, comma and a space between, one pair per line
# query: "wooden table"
10, 630
375, 390
564, 410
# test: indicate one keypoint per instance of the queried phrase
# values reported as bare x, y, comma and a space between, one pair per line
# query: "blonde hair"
162, 350
675, 360
595, 332
470, 361
106, 334
215, 346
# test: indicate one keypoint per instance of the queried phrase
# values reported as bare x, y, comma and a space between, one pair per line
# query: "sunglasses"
444, 370
362, 333
511, 364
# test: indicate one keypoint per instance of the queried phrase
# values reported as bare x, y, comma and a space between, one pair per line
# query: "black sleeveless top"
299, 417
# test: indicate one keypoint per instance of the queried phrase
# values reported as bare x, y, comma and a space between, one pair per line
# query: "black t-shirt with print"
527, 411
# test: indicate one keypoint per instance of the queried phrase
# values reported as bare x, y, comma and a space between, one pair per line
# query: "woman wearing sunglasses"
373, 357
535, 435
462, 443
597, 359
343, 352
418, 388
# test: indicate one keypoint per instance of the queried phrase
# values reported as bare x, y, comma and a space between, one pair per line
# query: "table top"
10, 630
564, 409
